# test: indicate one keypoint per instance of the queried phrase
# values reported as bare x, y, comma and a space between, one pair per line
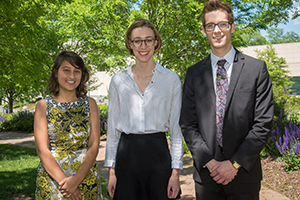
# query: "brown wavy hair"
76, 61
142, 23
213, 5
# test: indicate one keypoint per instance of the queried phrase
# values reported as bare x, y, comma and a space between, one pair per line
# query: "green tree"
26, 45
261, 14
96, 29
253, 37
33, 32
277, 36
179, 24
278, 70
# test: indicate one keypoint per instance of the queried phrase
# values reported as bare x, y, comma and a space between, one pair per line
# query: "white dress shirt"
155, 110
229, 57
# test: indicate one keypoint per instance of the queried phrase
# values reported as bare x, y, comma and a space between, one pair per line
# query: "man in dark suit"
227, 112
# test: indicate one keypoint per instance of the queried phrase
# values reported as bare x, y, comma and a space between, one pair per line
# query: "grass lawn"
18, 167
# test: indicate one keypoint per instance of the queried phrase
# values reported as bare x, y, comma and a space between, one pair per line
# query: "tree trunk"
10, 97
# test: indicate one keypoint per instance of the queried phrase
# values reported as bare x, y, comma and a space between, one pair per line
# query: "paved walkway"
186, 177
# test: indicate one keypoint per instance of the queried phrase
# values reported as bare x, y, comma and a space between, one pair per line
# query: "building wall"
102, 80
289, 51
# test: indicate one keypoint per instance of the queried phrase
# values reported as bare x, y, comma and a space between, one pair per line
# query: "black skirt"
143, 167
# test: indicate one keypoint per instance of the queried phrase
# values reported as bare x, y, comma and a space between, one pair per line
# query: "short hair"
142, 23
213, 5
76, 61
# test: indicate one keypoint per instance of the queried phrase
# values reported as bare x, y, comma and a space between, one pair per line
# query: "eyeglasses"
222, 26
148, 42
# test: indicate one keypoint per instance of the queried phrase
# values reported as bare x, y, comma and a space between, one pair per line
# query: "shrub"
26, 120
103, 112
286, 138
20, 121
2, 119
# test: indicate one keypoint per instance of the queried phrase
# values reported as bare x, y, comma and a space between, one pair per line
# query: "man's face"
219, 39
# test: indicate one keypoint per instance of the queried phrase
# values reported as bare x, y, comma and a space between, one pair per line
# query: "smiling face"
68, 77
143, 53
220, 40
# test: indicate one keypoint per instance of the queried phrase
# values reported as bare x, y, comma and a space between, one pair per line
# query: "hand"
75, 196
223, 172
111, 182
68, 186
174, 185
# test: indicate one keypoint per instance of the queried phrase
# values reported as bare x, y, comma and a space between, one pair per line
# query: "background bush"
23, 120
20, 121
103, 113
284, 141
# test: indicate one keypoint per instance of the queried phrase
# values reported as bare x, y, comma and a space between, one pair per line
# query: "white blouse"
155, 110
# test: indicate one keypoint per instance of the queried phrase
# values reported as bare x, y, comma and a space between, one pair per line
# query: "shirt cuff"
177, 164
109, 163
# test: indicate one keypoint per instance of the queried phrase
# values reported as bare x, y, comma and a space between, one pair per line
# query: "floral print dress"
69, 130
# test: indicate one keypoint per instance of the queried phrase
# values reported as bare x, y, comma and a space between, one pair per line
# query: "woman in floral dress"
67, 133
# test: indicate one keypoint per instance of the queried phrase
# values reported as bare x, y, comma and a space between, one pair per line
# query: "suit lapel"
208, 80
238, 64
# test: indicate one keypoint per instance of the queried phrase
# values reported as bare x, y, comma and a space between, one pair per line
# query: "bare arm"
42, 143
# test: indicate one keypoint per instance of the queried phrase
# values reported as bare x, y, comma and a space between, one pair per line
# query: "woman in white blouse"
144, 103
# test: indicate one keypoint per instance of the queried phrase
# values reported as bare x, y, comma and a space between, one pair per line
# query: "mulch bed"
276, 178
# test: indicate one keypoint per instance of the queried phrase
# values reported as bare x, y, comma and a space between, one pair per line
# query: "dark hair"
213, 5
77, 62
142, 23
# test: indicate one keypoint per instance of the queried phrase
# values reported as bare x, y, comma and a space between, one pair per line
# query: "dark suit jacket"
247, 121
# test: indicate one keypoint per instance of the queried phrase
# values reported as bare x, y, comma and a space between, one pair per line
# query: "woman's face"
143, 43
68, 77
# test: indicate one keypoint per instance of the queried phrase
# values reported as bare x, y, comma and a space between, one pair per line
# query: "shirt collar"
157, 68
229, 57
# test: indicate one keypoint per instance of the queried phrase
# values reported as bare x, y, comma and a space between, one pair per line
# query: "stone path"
186, 176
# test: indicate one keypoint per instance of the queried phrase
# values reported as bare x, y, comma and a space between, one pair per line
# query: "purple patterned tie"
221, 94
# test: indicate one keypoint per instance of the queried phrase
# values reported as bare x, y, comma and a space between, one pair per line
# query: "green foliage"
103, 108
284, 141
185, 148
281, 82
21, 121
253, 37
103, 111
11, 119
20, 103
259, 14
277, 36
179, 24
95, 30
28, 46
33, 32
292, 162
270, 149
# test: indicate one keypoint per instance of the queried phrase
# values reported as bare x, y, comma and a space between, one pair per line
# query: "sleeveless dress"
68, 130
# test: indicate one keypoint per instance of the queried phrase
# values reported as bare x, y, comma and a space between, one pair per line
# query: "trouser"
143, 167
